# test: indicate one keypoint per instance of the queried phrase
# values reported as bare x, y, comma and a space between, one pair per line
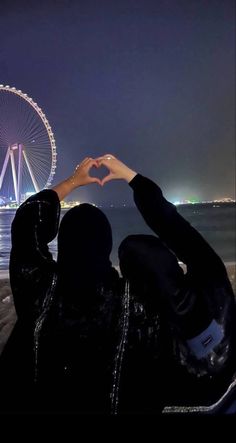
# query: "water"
216, 223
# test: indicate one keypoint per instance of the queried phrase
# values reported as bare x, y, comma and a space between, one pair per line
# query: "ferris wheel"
27, 145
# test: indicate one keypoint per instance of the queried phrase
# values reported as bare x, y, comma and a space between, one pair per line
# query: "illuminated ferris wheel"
27, 145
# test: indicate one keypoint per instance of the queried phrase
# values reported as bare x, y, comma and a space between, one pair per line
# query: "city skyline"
67, 203
151, 82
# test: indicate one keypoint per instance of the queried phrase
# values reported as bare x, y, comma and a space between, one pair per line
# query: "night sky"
151, 81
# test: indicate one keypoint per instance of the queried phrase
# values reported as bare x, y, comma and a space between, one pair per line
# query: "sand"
8, 314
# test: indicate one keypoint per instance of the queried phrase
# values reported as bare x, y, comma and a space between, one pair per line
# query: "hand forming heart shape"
116, 170
99, 172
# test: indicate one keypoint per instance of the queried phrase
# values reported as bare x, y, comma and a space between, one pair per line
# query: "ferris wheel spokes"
30, 171
17, 180
13, 168
4, 166
27, 146
20, 148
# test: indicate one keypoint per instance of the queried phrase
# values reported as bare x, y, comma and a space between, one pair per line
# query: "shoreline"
4, 274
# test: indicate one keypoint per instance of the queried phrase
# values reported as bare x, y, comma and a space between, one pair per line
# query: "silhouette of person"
88, 341
196, 310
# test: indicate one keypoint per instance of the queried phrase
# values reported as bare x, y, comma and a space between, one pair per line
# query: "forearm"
80, 177
182, 238
158, 213
128, 175
64, 188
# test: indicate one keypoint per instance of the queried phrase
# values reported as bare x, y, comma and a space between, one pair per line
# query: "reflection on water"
6, 218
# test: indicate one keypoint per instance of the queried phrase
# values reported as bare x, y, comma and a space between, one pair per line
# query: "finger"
95, 180
107, 179
84, 160
92, 162
88, 160
106, 157
99, 159
104, 162
96, 164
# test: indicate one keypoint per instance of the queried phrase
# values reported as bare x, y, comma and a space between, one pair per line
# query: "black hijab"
84, 247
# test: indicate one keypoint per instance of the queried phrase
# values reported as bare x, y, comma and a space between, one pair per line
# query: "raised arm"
80, 177
34, 226
182, 238
31, 264
163, 218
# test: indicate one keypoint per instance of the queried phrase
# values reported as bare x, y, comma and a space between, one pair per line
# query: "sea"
216, 222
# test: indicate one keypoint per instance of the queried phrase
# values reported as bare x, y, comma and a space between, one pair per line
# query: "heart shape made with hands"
99, 172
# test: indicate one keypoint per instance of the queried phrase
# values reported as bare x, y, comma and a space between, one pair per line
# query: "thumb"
107, 179
95, 180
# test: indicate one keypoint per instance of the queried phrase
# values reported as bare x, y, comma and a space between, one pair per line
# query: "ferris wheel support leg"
20, 149
13, 168
4, 166
30, 171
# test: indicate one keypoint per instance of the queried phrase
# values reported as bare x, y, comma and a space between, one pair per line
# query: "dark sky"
151, 81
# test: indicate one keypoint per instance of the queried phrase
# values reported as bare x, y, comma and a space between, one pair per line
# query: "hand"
117, 169
79, 178
81, 175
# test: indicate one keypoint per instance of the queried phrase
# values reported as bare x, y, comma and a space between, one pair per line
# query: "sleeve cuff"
48, 195
135, 181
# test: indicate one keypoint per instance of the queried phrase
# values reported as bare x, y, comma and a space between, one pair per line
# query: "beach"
8, 314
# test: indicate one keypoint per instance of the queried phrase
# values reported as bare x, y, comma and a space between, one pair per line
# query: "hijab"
84, 247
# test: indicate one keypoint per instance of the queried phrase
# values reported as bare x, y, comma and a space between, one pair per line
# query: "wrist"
70, 183
130, 174
64, 188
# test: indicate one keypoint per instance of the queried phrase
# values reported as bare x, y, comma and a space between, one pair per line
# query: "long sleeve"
31, 264
177, 233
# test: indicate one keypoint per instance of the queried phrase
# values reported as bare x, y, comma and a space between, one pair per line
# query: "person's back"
80, 330
198, 308
66, 333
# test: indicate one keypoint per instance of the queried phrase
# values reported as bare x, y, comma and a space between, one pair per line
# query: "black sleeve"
177, 233
31, 263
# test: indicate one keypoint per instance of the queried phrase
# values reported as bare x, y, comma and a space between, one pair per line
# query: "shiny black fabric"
161, 285
188, 303
68, 312
79, 326
78, 304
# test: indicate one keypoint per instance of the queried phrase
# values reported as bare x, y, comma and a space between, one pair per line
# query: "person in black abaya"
88, 341
88, 291
59, 357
